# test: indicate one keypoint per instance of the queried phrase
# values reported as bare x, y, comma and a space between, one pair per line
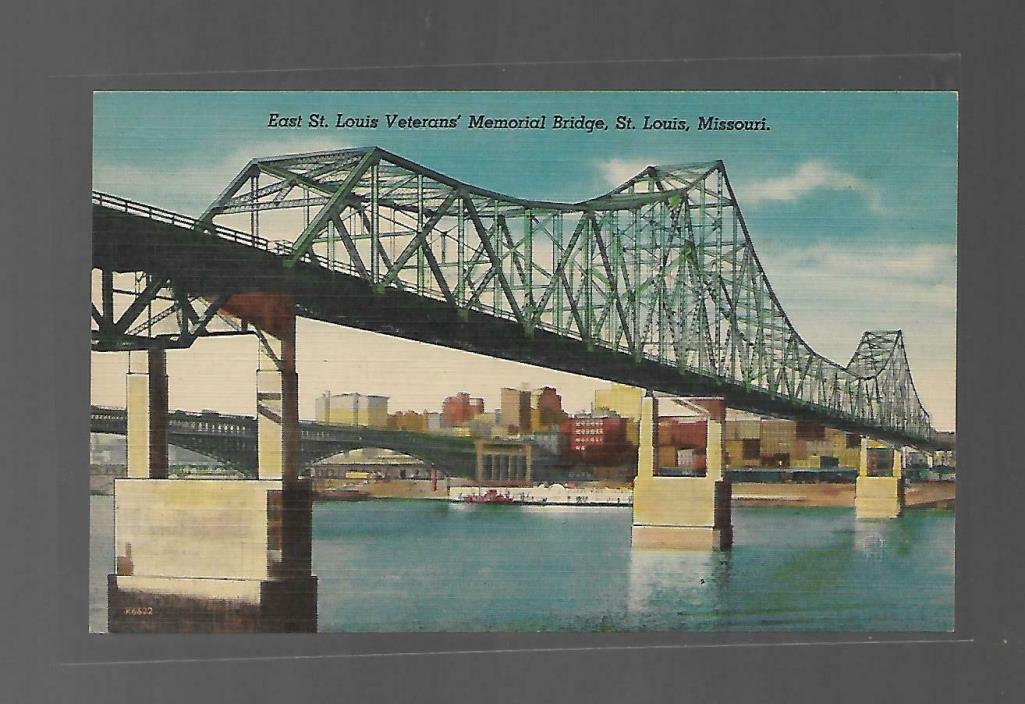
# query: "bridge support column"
225, 556
277, 409
147, 414
680, 512
879, 492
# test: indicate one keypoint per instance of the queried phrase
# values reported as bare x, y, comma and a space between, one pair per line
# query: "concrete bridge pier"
210, 555
681, 512
147, 414
879, 492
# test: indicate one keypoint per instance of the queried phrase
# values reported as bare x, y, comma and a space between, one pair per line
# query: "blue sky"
850, 198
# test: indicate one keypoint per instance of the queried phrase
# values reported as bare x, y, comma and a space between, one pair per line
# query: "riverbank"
394, 488
917, 495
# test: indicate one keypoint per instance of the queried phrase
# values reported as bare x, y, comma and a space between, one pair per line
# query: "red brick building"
458, 409
545, 409
596, 440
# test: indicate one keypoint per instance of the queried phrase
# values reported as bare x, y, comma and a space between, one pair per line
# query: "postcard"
523, 361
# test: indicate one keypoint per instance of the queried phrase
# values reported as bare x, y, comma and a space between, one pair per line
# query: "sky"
850, 200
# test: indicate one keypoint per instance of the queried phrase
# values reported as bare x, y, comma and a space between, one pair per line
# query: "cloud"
192, 187
811, 176
910, 268
834, 291
615, 172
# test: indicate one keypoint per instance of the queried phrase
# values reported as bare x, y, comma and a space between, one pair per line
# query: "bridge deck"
210, 265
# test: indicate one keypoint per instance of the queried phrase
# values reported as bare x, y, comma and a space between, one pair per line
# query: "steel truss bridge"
232, 439
655, 283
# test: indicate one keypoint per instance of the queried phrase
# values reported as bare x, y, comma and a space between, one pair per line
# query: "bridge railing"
177, 219
280, 248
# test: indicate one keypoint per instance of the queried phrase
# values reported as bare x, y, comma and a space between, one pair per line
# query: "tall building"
461, 408
515, 410
625, 402
545, 409
353, 409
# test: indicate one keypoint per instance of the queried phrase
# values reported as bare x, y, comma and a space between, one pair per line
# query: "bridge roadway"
729, 336
232, 440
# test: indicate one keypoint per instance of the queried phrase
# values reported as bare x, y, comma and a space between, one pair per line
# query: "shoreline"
938, 494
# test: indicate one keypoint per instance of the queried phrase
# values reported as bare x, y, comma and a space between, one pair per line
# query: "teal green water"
435, 566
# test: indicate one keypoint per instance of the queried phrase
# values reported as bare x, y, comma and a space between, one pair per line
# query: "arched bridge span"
232, 440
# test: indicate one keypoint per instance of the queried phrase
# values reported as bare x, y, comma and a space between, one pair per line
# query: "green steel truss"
661, 268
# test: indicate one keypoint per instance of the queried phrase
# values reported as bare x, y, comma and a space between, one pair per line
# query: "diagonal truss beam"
496, 261
305, 240
419, 242
662, 267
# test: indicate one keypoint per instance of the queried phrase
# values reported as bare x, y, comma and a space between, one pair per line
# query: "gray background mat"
58, 55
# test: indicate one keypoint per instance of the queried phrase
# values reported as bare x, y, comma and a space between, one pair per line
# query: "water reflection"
878, 538
684, 582
870, 537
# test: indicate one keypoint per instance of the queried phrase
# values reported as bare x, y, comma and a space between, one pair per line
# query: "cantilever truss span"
661, 269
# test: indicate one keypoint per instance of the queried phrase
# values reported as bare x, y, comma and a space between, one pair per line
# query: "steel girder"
661, 268
136, 310
156, 315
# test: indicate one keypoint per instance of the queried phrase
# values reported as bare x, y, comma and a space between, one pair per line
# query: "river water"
392, 565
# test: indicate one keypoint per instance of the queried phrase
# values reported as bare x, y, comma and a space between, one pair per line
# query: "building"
459, 409
552, 442
410, 421
515, 405
107, 449
750, 441
352, 409
682, 442
505, 462
784, 444
484, 425
433, 421
623, 401
945, 458
545, 410
742, 440
596, 439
